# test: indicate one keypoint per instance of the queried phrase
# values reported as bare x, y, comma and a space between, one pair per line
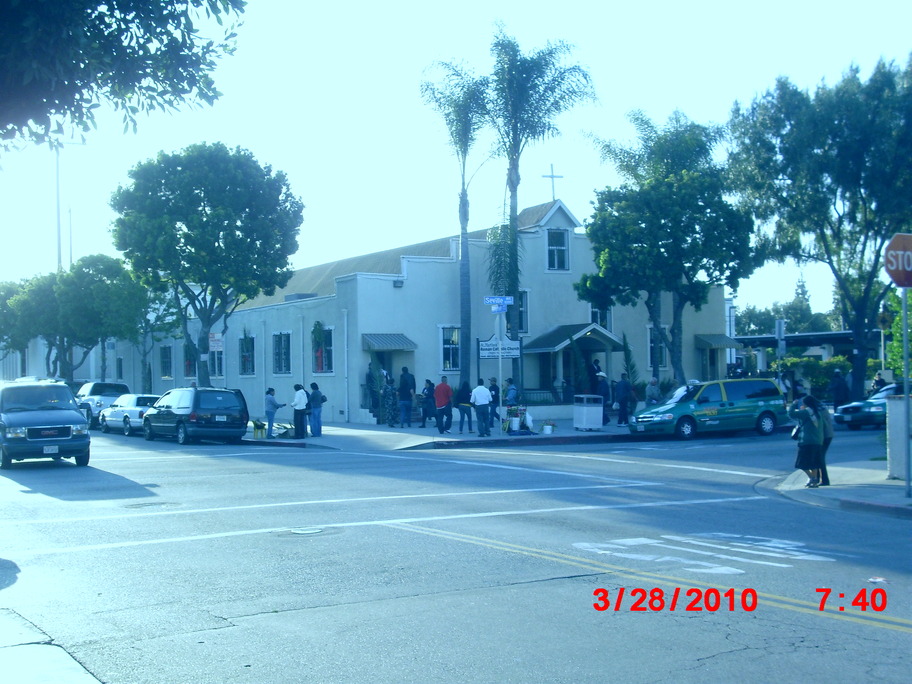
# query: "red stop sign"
898, 259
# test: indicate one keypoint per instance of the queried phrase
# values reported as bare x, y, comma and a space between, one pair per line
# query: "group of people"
814, 434
436, 403
307, 406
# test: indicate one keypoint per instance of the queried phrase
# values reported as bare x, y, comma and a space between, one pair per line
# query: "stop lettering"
898, 259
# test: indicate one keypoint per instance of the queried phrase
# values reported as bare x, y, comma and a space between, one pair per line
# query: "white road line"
674, 466
371, 523
315, 502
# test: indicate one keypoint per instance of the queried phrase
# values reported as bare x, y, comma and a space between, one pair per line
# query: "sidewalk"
861, 485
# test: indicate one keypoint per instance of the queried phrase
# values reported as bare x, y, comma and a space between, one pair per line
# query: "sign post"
898, 264
499, 305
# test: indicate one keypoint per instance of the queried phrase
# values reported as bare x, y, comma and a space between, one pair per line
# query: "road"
223, 563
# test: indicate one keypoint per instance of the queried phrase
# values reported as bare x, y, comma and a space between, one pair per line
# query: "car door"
710, 410
163, 414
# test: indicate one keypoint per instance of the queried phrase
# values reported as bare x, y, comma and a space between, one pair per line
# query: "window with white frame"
281, 353
558, 250
657, 351
450, 348
217, 363
601, 317
523, 302
118, 365
164, 356
246, 359
323, 355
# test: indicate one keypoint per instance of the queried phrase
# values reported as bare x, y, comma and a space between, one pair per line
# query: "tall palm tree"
526, 93
460, 99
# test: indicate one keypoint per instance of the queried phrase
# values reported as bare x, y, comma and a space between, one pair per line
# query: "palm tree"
460, 99
526, 93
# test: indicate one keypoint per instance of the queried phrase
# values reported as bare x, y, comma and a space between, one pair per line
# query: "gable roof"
541, 215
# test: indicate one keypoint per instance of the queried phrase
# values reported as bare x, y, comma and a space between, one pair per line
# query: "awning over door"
387, 342
716, 341
590, 336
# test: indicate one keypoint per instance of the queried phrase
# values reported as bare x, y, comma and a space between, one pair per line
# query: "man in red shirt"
443, 399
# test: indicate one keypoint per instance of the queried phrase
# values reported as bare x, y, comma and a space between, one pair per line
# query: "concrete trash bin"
587, 411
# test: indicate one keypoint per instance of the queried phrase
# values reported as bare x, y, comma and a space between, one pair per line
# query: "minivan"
755, 403
192, 413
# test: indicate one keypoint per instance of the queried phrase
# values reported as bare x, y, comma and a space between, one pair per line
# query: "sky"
329, 93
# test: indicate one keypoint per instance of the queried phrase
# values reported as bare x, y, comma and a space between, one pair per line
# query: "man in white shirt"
481, 400
299, 404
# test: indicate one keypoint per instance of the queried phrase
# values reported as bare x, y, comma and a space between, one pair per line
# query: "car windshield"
684, 393
109, 389
146, 401
887, 391
44, 398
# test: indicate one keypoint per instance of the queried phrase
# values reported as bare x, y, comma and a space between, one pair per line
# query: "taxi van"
751, 404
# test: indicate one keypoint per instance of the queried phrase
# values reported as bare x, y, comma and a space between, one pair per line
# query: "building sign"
509, 349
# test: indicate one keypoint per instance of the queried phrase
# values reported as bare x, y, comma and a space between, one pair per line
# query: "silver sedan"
126, 413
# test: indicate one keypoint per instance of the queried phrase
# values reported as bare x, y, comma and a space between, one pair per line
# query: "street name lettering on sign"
498, 301
898, 259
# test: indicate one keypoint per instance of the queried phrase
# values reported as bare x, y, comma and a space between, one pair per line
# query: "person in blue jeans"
316, 410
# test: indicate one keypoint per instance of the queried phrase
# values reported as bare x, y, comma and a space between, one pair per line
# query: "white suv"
92, 397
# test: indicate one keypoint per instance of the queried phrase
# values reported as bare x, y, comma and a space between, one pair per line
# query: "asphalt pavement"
862, 486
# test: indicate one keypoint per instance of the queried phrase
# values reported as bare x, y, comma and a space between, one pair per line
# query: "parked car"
95, 396
871, 411
40, 419
192, 413
755, 403
126, 413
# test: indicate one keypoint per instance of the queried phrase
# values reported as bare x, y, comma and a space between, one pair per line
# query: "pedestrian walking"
493, 413
406, 397
390, 402
623, 393
428, 409
828, 433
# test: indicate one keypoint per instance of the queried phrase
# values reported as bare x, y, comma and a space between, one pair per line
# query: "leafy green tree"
60, 58
10, 330
669, 229
212, 227
833, 171
797, 314
160, 322
527, 92
73, 311
460, 99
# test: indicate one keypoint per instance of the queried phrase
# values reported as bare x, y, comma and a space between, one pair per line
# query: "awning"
716, 341
387, 342
590, 336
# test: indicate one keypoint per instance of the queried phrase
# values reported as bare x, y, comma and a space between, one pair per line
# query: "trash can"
587, 411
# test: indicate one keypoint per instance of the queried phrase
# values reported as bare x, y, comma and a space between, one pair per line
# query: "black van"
192, 413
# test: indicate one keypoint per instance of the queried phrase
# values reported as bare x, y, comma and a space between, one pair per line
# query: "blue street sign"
498, 301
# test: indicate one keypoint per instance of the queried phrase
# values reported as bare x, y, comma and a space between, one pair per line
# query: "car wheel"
5, 461
686, 428
766, 424
128, 428
853, 426
182, 436
83, 459
89, 418
104, 424
147, 431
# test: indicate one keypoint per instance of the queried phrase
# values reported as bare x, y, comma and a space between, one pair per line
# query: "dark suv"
40, 419
191, 413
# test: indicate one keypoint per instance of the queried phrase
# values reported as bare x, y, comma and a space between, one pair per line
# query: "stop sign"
898, 259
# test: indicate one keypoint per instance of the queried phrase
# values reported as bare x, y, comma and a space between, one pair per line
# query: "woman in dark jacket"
808, 412
428, 408
463, 401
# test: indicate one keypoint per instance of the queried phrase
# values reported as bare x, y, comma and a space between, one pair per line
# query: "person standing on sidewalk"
316, 410
428, 408
272, 405
463, 402
481, 400
828, 433
407, 389
623, 392
299, 404
807, 412
495, 403
443, 400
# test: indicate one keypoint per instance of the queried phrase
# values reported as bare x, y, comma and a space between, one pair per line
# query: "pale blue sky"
330, 95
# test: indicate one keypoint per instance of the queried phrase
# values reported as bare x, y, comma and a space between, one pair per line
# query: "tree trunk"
201, 349
465, 290
513, 277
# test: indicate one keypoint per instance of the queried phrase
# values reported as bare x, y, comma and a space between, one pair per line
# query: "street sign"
898, 259
498, 301
498, 308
